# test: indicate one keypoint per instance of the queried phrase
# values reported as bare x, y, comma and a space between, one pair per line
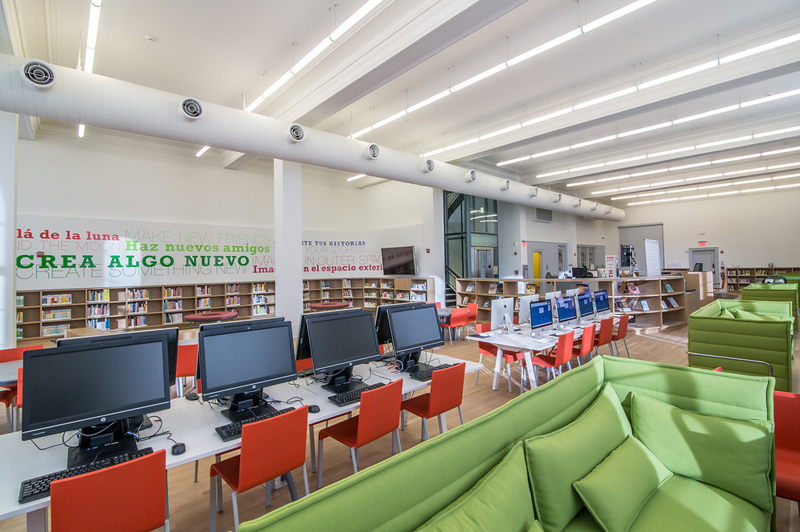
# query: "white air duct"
85, 98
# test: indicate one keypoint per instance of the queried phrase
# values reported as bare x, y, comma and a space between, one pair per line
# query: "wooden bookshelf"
739, 277
367, 292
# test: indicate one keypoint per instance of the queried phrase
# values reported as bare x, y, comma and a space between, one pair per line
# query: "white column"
8, 218
288, 242
433, 239
511, 231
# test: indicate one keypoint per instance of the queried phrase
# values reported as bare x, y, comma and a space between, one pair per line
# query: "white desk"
190, 422
8, 372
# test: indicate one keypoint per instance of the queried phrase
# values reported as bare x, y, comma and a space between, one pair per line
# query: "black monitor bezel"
343, 363
404, 350
303, 352
75, 423
256, 382
608, 301
382, 328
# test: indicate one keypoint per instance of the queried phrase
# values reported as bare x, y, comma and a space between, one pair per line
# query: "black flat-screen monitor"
237, 360
171, 334
565, 307
541, 315
398, 261
303, 349
339, 341
97, 388
382, 318
601, 301
580, 273
585, 304
414, 329
698, 266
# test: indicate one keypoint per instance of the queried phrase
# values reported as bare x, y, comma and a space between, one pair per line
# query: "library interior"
561, 229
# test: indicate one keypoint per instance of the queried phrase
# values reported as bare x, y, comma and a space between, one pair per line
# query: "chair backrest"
187, 361
587, 340
272, 447
447, 389
473, 313
483, 347
15, 353
622, 328
379, 413
438, 304
564, 347
606, 331
305, 364
129, 496
458, 317
786, 412
18, 399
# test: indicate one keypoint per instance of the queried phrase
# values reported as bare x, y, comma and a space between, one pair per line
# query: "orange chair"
604, 336
8, 396
621, 333
490, 350
586, 345
787, 445
458, 319
379, 415
472, 316
447, 393
438, 304
128, 496
186, 366
271, 448
563, 350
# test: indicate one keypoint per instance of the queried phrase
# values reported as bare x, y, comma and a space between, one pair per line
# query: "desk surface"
190, 422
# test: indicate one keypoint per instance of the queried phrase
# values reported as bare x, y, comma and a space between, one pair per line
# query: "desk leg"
497, 364
37, 521
531, 369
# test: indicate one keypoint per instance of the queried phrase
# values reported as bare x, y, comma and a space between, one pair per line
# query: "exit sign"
702, 243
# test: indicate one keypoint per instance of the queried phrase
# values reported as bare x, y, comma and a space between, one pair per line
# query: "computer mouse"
178, 448
191, 396
313, 409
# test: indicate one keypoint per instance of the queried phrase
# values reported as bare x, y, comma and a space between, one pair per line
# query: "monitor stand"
242, 406
411, 363
341, 382
107, 439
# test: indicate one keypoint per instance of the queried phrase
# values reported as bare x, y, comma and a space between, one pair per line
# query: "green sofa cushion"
617, 489
704, 448
726, 314
501, 500
558, 459
685, 504
745, 315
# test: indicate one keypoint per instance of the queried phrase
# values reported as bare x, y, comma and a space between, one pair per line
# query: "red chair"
604, 336
787, 445
458, 319
472, 316
271, 448
438, 304
586, 345
128, 496
186, 366
447, 393
563, 350
8, 396
379, 415
490, 350
621, 333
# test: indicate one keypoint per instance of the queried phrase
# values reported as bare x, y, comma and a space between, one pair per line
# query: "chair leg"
508, 375
196, 462
269, 487
460, 416
311, 448
625, 342
212, 514
166, 503
442, 424
397, 437
478, 373
305, 478
219, 494
290, 484
355, 460
450, 335
423, 436
181, 382
319, 465
235, 511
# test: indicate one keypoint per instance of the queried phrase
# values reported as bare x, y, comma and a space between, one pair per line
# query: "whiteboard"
652, 257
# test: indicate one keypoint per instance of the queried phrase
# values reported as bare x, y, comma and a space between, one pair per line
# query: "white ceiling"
409, 50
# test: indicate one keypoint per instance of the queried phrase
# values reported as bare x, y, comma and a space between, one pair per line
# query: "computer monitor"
601, 303
572, 292
382, 320
303, 351
171, 334
525, 308
95, 388
541, 316
580, 273
698, 266
414, 329
585, 306
502, 312
237, 359
338, 341
567, 314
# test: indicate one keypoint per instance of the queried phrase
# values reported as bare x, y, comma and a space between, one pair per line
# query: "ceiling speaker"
578, 202
595, 206
609, 209
38, 74
373, 151
534, 192
506, 185
557, 198
296, 133
471, 176
191, 108
428, 166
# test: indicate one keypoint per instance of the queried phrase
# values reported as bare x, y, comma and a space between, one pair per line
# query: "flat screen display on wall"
398, 261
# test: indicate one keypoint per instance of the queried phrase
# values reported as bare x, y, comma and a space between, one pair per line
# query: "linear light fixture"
661, 125
91, 45
356, 177
202, 151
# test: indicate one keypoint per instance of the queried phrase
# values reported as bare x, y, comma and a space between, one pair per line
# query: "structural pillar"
288, 242
433, 239
8, 219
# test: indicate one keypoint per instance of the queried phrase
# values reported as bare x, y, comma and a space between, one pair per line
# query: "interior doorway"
482, 262
709, 258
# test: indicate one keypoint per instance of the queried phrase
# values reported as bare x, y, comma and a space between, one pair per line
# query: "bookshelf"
739, 277
646, 305
367, 292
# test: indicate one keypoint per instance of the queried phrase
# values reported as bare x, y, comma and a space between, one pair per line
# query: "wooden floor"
189, 501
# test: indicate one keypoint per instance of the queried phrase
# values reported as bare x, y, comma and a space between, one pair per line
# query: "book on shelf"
64, 314
20, 318
673, 302
386, 295
492, 288
19, 332
136, 293
175, 317
173, 305
664, 305
137, 321
632, 288
102, 324
402, 296
645, 305
415, 297
261, 287
369, 304
325, 294
99, 295
531, 289
233, 300
387, 284
419, 286
305, 285
346, 292
668, 287
204, 302
325, 284
56, 299
370, 284
622, 305
137, 308
470, 287
173, 292
20, 301
486, 304
203, 291
97, 311
232, 288
346, 283
55, 330
261, 310
465, 301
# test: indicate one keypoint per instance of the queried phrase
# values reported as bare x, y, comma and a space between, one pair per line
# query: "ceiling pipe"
84, 98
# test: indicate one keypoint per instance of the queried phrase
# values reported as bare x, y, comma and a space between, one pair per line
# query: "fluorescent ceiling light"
518, 159
776, 178
500, 132
726, 141
589, 167
81, 130
693, 197
544, 47
628, 160
605, 98
740, 158
706, 114
771, 98
553, 173
719, 185
708, 176
202, 151
548, 116
650, 172
728, 193
749, 170
550, 152
591, 142
354, 19
751, 181
759, 49
776, 132
434, 98
614, 178
789, 186
670, 152
644, 129
390, 119
614, 15
785, 150
355, 177
310, 56
758, 189
678, 75
686, 166
474, 79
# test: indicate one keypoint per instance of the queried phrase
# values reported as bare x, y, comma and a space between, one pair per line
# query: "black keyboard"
39, 487
427, 374
353, 396
231, 431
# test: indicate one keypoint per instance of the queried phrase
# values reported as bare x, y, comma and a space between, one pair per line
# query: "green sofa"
774, 292
513, 469
756, 334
